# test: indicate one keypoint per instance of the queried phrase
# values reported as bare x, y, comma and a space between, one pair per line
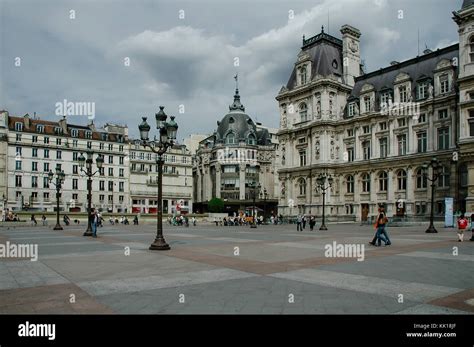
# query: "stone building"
373, 132
238, 154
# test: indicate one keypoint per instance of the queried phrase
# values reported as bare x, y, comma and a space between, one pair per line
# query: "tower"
350, 53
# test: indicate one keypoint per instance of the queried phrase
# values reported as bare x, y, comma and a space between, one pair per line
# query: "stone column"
242, 181
218, 180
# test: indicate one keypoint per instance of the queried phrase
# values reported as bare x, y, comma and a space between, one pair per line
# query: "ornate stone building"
227, 163
373, 132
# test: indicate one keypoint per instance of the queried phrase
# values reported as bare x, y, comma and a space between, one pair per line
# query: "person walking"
33, 220
381, 234
43, 219
194, 221
462, 225
298, 223
135, 220
312, 222
303, 220
94, 220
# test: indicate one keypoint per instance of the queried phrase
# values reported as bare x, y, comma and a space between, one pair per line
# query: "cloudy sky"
130, 56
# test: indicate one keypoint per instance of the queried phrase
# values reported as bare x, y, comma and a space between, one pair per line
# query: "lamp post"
321, 181
60, 176
255, 187
167, 136
434, 164
264, 195
88, 171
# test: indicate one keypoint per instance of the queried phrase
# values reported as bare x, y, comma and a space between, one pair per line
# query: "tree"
216, 205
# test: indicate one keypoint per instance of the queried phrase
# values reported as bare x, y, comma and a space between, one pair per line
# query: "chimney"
63, 124
26, 120
350, 54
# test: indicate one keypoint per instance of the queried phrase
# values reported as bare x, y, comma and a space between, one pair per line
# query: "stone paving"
237, 270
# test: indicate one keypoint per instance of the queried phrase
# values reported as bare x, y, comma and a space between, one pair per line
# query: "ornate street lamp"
264, 195
255, 187
434, 164
60, 176
321, 182
88, 171
167, 132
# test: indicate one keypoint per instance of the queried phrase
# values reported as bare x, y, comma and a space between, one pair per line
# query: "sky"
128, 57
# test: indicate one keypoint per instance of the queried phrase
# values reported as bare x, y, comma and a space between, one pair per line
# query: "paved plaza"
237, 270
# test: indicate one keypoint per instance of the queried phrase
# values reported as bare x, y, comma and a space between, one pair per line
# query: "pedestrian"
33, 220
312, 222
472, 227
298, 223
462, 225
194, 221
94, 220
303, 220
43, 218
66, 219
135, 220
381, 233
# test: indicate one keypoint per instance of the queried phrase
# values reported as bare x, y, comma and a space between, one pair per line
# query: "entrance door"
365, 212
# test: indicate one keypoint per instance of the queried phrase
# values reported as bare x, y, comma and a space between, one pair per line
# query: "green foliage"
216, 205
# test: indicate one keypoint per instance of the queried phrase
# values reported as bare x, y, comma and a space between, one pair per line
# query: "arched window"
303, 75
366, 183
303, 112
230, 139
350, 184
302, 186
471, 49
383, 181
444, 176
402, 180
251, 140
421, 180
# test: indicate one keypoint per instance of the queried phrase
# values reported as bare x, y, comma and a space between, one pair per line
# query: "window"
111, 147
230, 169
383, 126
102, 185
471, 49
58, 130
18, 151
367, 103
40, 128
58, 142
18, 165
111, 159
383, 147
46, 140
34, 138
443, 114
350, 184
366, 183
46, 196
74, 143
111, 186
89, 144
34, 166
302, 186
422, 141
121, 160
18, 126
101, 146
46, 167
402, 90
101, 198
421, 180
352, 109
18, 137
141, 156
383, 181
230, 139
75, 183
402, 180
45, 182
17, 181
148, 156
121, 171
121, 148
366, 149
303, 158
402, 144
443, 138
303, 75
75, 169
350, 154
444, 84
111, 199
88, 134
251, 140
104, 136
111, 171
366, 129
46, 153
58, 155
422, 118
444, 177
402, 122
384, 98
303, 112
74, 132
34, 152
75, 196
121, 198
350, 132
422, 90
121, 186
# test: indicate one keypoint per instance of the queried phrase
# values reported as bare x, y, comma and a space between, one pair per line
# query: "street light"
60, 176
167, 132
88, 171
264, 195
434, 164
254, 187
321, 181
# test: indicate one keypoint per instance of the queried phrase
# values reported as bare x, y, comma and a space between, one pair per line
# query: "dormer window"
352, 109
88, 134
402, 90
18, 126
367, 103
303, 75
384, 98
74, 132
40, 128
104, 136
303, 112
251, 140
471, 49
423, 90
443, 84
230, 139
